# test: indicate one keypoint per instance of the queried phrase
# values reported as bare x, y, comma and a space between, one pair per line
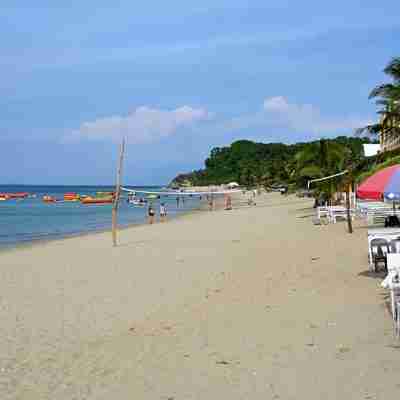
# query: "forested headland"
250, 164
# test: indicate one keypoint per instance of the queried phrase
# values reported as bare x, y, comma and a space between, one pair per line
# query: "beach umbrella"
383, 185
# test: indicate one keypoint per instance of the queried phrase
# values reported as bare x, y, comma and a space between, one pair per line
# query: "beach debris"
312, 326
315, 258
167, 328
222, 362
186, 355
217, 290
132, 329
343, 349
311, 344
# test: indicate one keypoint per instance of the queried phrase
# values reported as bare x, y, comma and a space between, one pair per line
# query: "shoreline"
61, 237
43, 241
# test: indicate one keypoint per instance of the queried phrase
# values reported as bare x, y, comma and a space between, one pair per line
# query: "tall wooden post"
348, 205
117, 193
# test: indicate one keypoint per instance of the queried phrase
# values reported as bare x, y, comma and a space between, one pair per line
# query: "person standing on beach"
151, 213
228, 202
163, 212
211, 203
177, 201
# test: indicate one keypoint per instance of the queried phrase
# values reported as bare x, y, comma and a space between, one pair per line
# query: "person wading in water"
151, 213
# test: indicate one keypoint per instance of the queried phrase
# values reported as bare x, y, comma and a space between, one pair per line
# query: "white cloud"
143, 125
307, 118
276, 104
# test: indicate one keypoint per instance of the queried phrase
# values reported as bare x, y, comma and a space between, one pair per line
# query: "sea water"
30, 220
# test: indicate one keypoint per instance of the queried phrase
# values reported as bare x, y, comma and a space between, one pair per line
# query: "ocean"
31, 220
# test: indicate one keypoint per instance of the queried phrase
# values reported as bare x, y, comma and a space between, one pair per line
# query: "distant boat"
137, 202
19, 195
71, 197
97, 200
105, 194
49, 199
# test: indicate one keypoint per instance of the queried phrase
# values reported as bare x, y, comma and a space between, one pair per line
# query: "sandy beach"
253, 303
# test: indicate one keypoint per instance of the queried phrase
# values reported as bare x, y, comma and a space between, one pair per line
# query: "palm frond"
311, 171
373, 129
393, 68
387, 90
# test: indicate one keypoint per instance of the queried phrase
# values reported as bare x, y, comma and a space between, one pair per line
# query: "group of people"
151, 213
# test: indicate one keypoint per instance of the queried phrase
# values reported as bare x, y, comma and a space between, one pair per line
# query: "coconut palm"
320, 158
388, 95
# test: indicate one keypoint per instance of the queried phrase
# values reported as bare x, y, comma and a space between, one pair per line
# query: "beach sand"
254, 303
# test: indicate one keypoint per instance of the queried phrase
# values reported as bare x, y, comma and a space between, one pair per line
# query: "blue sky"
178, 79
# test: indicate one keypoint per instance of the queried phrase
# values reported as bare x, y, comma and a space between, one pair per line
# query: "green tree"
388, 101
320, 158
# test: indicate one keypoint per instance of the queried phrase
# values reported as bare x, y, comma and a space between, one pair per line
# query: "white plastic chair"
392, 282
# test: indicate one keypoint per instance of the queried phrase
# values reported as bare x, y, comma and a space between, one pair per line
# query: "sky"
177, 78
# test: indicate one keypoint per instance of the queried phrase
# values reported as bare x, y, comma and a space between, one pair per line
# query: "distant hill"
250, 163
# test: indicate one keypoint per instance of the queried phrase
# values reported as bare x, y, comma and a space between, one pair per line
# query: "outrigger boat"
71, 197
97, 200
18, 195
49, 199
136, 201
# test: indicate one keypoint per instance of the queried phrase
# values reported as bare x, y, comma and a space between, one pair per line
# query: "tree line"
252, 164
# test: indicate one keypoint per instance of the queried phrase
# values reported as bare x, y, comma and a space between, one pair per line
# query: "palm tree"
388, 95
320, 158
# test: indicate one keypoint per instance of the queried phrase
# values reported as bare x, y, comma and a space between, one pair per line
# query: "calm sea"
30, 220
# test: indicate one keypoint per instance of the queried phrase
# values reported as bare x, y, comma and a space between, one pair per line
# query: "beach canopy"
384, 184
233, 184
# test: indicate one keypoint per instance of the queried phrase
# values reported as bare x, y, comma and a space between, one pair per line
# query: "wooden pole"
117, 193
349, 221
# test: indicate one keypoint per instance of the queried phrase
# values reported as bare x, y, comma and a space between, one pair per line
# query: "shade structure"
383, 185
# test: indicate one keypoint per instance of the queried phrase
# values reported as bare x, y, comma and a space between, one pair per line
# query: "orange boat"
71, 197
97, 200
49, 199
19, 195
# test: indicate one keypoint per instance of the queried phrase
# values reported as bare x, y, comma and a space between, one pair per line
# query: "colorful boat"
49, 199
71, 197
97, 200
18, 195
104, 194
